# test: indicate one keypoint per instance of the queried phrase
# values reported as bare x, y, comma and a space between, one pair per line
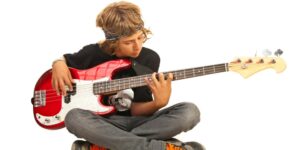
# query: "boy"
142, 125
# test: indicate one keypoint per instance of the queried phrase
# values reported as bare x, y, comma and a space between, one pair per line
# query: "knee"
73, 117
191, 115
191, 111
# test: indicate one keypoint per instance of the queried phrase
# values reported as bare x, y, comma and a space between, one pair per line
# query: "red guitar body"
50, 109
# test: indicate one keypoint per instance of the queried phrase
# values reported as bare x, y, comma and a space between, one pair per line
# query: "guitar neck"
138, 81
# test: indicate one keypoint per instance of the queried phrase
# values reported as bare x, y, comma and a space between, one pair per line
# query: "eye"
141, 37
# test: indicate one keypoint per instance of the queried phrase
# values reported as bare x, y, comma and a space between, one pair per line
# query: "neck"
138, 81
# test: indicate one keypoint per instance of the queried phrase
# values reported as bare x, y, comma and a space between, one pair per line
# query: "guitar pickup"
67, 98
73, 92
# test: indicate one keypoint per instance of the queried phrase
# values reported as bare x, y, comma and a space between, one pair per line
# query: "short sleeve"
87, 57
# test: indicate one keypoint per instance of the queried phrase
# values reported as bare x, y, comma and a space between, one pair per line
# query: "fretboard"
138, 81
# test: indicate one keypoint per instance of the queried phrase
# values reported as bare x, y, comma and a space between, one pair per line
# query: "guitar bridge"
39, 98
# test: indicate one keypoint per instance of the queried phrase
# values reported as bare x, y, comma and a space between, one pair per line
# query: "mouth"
135, 54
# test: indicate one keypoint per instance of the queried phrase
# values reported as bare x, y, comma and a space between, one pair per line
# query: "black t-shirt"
92, 55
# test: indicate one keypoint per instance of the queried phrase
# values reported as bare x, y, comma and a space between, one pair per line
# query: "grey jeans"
133, 132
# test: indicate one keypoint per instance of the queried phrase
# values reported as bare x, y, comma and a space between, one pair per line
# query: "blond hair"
119, 19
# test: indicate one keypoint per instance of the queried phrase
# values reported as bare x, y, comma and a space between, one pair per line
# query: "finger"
53, 82
62, 87
55, 86
149, 83
71, 80
154, 79
68, 82
161, 77
170, 77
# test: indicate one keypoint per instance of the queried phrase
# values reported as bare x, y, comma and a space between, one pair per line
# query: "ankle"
171, 146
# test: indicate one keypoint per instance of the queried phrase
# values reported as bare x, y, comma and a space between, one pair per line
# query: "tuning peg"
278, 52
266, 52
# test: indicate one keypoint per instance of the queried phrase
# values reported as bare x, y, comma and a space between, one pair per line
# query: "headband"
111, 37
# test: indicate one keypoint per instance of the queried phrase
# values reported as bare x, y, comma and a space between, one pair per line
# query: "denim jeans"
133, 132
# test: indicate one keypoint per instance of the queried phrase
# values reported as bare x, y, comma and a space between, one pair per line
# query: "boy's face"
130, 46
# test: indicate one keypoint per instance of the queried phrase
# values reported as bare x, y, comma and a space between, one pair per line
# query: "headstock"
249, 66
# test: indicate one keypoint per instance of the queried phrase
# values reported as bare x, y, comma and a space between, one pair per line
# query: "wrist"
159, 104
61, 59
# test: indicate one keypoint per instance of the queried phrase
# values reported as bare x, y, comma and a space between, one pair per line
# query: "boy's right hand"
61, 77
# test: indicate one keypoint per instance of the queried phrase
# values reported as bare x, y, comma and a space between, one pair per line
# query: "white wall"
259, 113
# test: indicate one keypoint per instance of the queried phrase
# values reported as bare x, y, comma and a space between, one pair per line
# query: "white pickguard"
84, 99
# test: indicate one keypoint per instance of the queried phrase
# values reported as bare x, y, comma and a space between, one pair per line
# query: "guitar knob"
57, 117
266, 52
278, 52
47, 120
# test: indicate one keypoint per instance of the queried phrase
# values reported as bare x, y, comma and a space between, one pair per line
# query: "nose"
137, 45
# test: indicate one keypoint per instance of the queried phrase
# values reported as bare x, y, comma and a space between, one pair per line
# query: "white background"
259, 113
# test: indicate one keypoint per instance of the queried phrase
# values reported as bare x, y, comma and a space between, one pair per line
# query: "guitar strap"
140, 69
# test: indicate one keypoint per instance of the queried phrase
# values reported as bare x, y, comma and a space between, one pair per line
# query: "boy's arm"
61, 76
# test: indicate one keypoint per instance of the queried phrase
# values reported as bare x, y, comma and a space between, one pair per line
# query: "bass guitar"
91, 85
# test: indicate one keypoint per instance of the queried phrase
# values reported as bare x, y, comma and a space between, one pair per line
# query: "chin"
134, 55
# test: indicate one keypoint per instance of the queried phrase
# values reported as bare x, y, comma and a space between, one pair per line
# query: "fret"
109, 87
131, 83
123, 86
227, 67
175, 75
193, 71
113, 86
198, 72
209, 70
104, 84
140, 81
119, 84
126, 84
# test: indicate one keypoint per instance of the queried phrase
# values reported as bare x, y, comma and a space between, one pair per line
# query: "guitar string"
54, 95
49, 97
130, 80
116, 87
